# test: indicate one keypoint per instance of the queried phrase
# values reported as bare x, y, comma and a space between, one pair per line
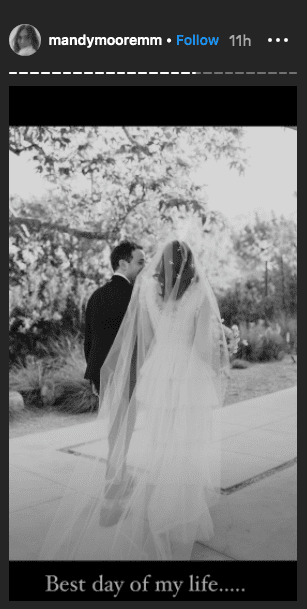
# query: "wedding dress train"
161, 505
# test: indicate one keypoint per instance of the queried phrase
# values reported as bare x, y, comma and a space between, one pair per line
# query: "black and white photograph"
152, 341
25, 40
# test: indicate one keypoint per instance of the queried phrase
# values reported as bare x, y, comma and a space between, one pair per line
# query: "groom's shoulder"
100, 292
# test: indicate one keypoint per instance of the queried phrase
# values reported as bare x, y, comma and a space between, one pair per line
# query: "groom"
107, 306
105, 311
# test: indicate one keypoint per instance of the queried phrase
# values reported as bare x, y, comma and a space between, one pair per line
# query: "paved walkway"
255, 519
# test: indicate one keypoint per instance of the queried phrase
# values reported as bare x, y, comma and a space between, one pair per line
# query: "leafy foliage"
265, 286
261, 344
107, 184
121, 168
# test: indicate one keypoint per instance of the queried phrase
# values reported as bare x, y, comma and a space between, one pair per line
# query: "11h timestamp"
240, 41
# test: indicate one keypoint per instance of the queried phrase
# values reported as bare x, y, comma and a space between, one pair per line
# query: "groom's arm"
87, 331
98, 338
95, 310
107, 312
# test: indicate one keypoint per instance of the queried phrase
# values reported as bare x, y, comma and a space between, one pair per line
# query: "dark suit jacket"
105, 311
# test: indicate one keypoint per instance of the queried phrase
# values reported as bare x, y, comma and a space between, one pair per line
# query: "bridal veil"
144, 489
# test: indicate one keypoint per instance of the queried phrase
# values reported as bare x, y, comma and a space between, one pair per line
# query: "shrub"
272, 345
239, 364
260, 344
55, 381
51, 278
288, 326
27, 380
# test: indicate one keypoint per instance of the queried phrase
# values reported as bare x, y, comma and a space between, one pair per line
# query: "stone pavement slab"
255, 519
258, 522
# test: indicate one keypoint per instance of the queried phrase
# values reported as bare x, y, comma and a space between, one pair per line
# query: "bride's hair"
31, 32
175, 257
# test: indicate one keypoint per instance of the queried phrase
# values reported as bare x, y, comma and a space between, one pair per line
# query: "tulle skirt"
173, 463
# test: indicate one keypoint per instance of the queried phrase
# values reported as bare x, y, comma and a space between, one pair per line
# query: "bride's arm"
207, 332
210, 343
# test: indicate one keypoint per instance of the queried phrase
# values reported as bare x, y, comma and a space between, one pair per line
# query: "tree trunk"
266, 294
283, 283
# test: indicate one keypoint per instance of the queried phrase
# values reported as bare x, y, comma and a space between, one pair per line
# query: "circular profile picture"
25, 39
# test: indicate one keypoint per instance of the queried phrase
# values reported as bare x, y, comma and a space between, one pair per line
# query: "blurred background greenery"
106, 184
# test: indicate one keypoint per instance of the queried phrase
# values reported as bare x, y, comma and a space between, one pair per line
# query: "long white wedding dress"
173, 456
177, 386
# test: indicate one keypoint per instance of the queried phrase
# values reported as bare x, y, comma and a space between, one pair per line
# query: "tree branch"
17, 147
132, 141
34, 223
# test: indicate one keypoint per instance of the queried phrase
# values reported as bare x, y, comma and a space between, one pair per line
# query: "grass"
261, 379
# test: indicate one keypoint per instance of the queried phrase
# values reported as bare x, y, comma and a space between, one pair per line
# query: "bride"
162, 387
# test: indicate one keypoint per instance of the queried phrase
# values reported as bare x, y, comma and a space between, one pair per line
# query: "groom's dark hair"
123, 251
